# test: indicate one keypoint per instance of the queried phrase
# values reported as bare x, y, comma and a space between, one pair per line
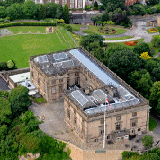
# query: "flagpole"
104, 126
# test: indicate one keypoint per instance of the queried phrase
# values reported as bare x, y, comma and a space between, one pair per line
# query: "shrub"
28, 24
145, 55
147, 141
156, 42
10, 64
3, 66
128, 154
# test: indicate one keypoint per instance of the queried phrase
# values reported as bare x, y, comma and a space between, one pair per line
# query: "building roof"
56, 62
3, 85
20, 77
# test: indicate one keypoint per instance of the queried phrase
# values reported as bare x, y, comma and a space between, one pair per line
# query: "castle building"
84, 83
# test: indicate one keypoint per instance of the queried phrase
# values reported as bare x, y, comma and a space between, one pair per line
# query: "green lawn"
40, 100
94, 29
119, 38
122, 44
26, 29
76, 27
152, 124
20, 47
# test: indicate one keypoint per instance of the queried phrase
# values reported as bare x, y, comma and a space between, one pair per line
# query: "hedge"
28, 24
128, 154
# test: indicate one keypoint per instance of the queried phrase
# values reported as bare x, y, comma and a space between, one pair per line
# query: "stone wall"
5, 75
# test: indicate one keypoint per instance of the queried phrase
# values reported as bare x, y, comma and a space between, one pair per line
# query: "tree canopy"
124, 62
19, 100
66, 13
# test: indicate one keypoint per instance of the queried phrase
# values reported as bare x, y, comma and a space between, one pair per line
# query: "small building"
84, 83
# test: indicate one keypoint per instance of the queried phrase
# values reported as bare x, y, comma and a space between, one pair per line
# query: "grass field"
94, 29
26, 29
119, 38
152, 124
20, 47
75, 27
122, 44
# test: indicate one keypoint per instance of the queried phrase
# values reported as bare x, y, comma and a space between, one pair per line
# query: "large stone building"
84, 83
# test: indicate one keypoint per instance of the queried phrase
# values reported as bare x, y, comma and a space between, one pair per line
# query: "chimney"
87, 90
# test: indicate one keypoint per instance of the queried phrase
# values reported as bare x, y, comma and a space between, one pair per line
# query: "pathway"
124, 40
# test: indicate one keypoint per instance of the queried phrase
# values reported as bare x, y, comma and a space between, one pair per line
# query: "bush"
28, 24
10, 64
3, 66
147, 141
69, 28
128, 154
156, 42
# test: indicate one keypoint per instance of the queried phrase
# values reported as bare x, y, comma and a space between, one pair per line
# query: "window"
139, 129
86, 78
75, 120
61, 81
57, 1
134, 114
76, 74
102, 131
76, 81
118, 118
68, 113
60, 88
108, 137
54, 82
118, 126
53, 90
96, 140
74, 111
133, 124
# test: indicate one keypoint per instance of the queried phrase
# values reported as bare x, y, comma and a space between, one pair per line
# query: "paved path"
124, 40
157, 55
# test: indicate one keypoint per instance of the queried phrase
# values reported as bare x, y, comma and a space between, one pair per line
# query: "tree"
105, 16
155, 97
30, 9
66, 14
59, 14
151, 64
86, 40
2, 12
145, 55
3, 66
87, 7
124, 62
95, 5
15, 11
156, 73
142, 47
156, 42
153, 2
19, 100
147, 141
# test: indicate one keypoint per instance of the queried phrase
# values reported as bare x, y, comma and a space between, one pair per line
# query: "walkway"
124, 40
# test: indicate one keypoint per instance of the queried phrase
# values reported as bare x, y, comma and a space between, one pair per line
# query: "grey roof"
112, 106
101, 74
56, 63
79, 97
60, 56
99, 95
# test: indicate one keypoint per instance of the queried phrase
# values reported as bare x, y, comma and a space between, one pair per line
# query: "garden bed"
152, 30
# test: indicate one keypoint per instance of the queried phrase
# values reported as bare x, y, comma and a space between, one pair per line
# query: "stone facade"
121, 123
128, 121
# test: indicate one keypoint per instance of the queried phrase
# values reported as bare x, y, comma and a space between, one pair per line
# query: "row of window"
54, 89
118, 118
60, 81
